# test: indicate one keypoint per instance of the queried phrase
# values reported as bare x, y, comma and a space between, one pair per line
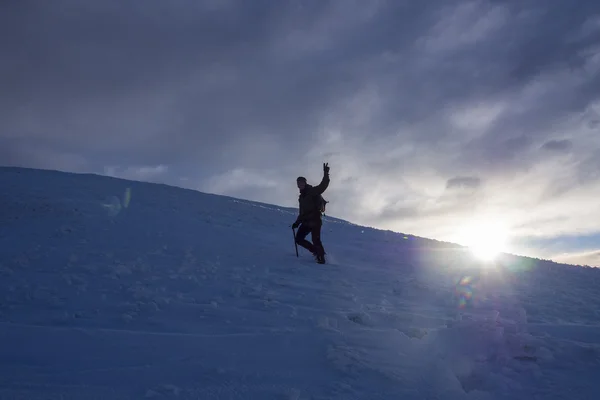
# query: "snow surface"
113, 289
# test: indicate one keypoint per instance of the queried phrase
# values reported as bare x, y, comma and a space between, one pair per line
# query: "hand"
295, 225
326, 168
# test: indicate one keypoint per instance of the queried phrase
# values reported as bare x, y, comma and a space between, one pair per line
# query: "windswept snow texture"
112, 289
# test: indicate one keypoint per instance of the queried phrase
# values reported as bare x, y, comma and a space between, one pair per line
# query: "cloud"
156, 174
558, 145
240, 179
471, 182
430, 113
463, 25
590, 258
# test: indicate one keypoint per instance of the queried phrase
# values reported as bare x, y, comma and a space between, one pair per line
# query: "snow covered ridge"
115, 289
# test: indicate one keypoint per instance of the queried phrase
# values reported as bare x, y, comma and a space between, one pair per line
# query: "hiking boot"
320, 259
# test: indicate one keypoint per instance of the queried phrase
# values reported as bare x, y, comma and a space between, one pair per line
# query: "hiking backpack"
322, 204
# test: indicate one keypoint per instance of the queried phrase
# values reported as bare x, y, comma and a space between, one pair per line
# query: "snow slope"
113, 289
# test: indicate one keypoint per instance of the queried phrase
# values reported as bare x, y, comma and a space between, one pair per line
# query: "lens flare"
464, 291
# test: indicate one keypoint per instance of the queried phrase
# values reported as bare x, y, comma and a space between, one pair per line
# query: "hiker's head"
301, 182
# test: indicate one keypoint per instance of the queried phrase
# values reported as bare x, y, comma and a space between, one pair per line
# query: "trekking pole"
295, 244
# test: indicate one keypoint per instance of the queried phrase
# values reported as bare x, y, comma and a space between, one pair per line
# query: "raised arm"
321, 187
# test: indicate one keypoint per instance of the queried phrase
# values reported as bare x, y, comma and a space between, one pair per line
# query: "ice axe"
295, 244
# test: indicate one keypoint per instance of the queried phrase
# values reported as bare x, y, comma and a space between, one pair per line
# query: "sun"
486, 238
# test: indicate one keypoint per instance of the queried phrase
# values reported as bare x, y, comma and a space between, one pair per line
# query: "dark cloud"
157, 83
469, 182
241, 97
558, 145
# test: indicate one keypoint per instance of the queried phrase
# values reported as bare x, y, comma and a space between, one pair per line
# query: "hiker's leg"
316, 238
301, 234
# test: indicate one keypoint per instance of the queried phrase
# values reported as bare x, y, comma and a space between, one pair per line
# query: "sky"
432, 115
